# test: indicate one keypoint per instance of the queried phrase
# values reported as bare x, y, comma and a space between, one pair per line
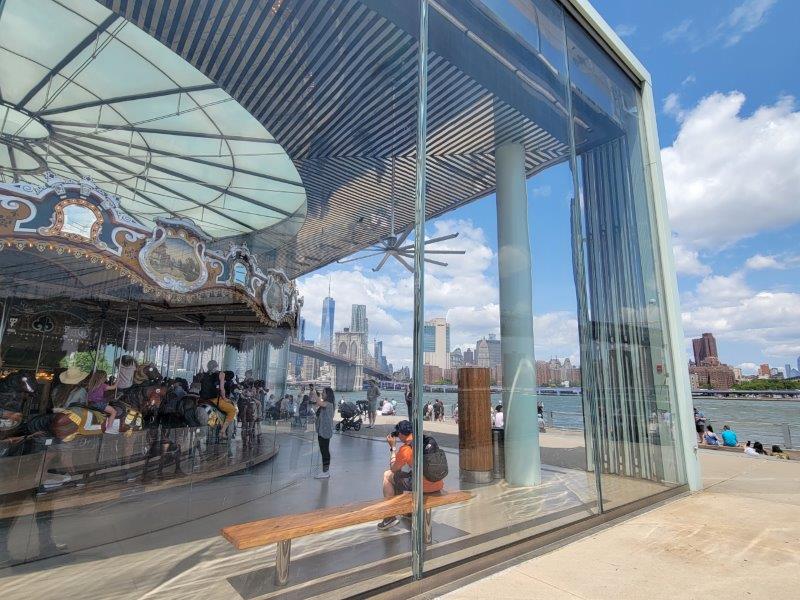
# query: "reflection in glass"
78, 220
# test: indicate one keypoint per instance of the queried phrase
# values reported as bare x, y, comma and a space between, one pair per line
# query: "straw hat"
73, 376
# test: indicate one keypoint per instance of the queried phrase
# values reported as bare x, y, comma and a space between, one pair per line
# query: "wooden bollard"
474, 425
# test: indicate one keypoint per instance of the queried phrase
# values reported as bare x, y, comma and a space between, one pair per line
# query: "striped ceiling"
335, 83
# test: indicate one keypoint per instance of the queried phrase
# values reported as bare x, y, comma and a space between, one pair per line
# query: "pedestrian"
372, 402
438, 410
326, 405
498, 423
699, 424
409, 396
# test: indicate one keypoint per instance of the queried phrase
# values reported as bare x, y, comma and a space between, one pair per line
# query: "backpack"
209, 385
434, 460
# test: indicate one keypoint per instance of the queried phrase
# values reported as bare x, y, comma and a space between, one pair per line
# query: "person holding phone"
326, 405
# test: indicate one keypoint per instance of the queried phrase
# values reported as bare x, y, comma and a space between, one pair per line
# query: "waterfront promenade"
738, 538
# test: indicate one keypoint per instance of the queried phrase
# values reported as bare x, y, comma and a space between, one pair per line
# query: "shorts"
700, 427
372, 405
402, 482
99, 405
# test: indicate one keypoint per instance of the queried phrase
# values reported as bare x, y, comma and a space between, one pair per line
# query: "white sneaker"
323, 475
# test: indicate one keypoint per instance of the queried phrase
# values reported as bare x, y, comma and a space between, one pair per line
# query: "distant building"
497, 375
326, 328
358, 318
436, 343
714, 377
469, 358
694, 379
764, 371
487, 352
737, 374
432, 374
704, 347
554, 372
456, 359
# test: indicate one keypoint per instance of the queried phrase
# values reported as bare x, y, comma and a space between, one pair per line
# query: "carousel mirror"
240, 274
78, 220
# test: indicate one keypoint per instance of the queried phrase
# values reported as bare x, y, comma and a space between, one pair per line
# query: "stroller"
351, 417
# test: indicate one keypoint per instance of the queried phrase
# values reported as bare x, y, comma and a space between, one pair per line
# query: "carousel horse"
16, 389
250, 417
165, 451
133, 406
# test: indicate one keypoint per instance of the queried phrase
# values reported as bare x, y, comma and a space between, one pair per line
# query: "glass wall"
568, 437
556, 409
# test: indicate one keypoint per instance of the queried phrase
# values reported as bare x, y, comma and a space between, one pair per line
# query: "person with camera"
397, 479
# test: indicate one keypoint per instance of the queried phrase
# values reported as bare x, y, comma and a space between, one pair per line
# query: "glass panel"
144, 508
512, 426
623, 332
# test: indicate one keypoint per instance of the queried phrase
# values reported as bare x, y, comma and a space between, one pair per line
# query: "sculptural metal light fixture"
394, 245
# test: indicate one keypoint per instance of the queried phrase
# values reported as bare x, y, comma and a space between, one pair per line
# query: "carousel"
107, 332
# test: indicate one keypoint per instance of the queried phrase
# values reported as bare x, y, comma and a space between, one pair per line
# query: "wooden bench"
282, 530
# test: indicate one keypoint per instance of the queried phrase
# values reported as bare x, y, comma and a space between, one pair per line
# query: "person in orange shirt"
397, 479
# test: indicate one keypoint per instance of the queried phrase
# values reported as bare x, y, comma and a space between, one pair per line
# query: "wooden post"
474, 425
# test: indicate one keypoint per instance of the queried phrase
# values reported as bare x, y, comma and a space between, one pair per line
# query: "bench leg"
428, 523
282, 562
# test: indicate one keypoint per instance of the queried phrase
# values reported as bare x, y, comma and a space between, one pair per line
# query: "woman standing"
324, 426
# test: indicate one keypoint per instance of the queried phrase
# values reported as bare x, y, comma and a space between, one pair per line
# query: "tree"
85, 362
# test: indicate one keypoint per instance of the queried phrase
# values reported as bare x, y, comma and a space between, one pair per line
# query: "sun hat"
72, 376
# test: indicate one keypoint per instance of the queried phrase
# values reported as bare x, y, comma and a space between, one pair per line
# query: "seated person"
778, 452
387, 408
96, 388
709, 437
213, 389
497, 421
397, 479
729, 437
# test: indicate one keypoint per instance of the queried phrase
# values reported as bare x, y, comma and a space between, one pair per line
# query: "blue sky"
726, 79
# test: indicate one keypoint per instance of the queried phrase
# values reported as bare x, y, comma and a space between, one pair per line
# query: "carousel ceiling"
84, 92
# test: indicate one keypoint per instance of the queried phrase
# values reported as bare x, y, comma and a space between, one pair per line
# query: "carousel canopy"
334, 82
84, 92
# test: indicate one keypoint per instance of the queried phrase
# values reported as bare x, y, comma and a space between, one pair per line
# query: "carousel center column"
522, 458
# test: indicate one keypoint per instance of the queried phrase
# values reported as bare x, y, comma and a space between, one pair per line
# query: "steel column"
418, 513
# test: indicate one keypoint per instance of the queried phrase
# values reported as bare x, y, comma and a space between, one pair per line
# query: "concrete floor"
166, 544
739, 538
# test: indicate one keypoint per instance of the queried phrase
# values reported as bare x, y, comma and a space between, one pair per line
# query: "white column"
523, 463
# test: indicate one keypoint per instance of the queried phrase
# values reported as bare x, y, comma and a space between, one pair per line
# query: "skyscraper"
436, 343
469, 357
704, 347
487, 352
456, 359
358, 319
326, 328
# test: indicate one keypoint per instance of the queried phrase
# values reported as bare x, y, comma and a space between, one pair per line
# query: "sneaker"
323, 475
387, 523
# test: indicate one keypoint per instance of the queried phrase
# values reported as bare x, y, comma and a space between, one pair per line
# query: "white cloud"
689, 79
730, 176
759, 262
625, 29
687, 262
680, 31
743, 19
748, 368
672, 106
746, 17
767, 321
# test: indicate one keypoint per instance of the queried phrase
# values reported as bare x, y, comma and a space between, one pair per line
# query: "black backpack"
434, 460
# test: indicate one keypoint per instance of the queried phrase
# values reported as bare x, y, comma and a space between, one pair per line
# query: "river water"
757, 420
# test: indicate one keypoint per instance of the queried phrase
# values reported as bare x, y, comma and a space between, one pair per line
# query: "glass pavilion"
267, 139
